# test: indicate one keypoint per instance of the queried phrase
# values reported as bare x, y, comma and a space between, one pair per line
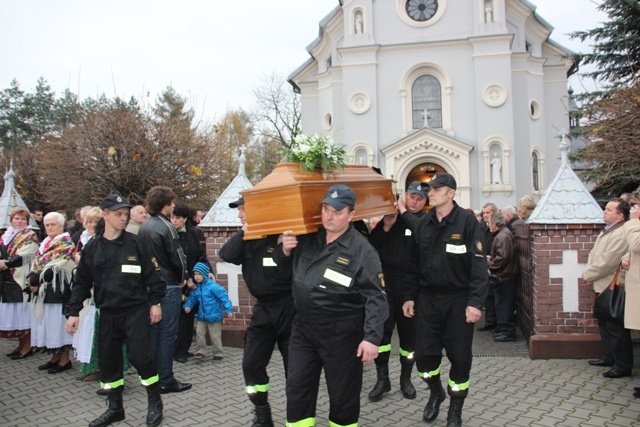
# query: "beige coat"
632, 279
608, 250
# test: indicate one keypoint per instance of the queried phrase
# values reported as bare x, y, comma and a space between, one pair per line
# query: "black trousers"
505, 299
331, 346
130, 327
616, 345
185, 333
441, 323
270, 325
406, 329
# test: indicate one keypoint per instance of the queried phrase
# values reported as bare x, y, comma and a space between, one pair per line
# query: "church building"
474, 88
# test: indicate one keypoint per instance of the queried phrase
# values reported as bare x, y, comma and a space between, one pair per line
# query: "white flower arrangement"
313, 152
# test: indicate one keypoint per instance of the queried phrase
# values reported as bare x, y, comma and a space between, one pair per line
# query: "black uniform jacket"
121, 271
448, 257
395, 246
163, 241
266, 280
338, 281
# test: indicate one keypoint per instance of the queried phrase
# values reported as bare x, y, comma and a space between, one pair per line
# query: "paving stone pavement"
507, 389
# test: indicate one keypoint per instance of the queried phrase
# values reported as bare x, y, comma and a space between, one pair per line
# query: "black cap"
113, 202
441, 179
340, 196
237, 203
416, 187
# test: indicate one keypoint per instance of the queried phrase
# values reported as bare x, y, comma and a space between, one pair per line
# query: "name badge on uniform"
456, 249
268, 262
407, 232
131, 269
339, 278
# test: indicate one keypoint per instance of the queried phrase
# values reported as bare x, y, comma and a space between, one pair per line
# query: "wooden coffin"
289, 198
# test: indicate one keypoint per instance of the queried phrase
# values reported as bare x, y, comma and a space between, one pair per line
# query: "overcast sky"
213, 52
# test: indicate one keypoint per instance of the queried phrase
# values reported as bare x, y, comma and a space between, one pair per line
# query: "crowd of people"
124, 285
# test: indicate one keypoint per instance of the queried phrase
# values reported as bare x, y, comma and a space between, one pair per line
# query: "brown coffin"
289, 198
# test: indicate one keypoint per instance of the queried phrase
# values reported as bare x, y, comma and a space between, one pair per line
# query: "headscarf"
55, 253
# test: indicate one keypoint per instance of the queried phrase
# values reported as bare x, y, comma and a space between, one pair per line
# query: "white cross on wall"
570, 271
232, 271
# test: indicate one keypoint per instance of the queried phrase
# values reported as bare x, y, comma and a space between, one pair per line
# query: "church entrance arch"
423, 173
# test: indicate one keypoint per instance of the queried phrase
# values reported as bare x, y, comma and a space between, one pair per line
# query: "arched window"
426, 97
535, 165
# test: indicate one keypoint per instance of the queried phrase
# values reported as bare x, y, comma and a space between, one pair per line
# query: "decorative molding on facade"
430, 146
359, 103
494, 95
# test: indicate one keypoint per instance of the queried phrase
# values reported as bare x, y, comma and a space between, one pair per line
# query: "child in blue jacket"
211, 299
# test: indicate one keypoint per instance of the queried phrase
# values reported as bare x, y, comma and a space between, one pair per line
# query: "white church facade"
475, 88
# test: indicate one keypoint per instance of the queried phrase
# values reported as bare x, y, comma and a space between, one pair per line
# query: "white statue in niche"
358, 23
496, 169
488, 11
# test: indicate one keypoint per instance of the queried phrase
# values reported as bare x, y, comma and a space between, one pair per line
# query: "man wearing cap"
393, 239
338, 290
164, 243
125, 279
445, 292
272, 315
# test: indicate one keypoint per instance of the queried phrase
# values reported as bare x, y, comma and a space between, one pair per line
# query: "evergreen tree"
612, 114
616, 44
14, 117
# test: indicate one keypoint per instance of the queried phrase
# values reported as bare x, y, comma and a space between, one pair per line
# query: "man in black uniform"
125, 280
271, 320
338, 293
447, 296
393, 238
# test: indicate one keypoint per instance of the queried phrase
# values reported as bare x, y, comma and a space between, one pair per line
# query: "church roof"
10, 200
220, 214
566, 200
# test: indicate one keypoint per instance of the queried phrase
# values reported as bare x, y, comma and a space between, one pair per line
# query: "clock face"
421, 10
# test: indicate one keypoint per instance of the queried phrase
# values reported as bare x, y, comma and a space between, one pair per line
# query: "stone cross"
570, 271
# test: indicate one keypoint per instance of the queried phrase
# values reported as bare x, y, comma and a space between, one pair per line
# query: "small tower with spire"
10, 200
556, 304
218, 225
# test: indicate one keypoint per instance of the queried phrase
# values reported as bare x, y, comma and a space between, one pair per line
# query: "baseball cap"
237, 203
416, 187
113, 202
441, 179
339, 197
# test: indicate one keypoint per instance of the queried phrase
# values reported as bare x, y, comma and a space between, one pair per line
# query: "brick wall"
550, 322
215, 238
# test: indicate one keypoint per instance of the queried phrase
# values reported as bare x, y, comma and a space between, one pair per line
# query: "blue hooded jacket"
210, 297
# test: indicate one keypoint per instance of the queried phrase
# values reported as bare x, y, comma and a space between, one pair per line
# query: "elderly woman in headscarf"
50, 283
19, 244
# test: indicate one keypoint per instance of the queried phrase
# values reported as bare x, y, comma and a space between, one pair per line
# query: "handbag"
609, 305
495, 281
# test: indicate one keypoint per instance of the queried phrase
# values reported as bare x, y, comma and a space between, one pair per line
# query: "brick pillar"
563, 325
232, 329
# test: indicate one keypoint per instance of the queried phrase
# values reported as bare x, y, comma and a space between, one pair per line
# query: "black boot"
408, 390
382, 384
263, 416
115, 411
436, 398
154, 412
454, 417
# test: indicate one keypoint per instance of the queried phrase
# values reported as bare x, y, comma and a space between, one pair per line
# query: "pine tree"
612, 114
